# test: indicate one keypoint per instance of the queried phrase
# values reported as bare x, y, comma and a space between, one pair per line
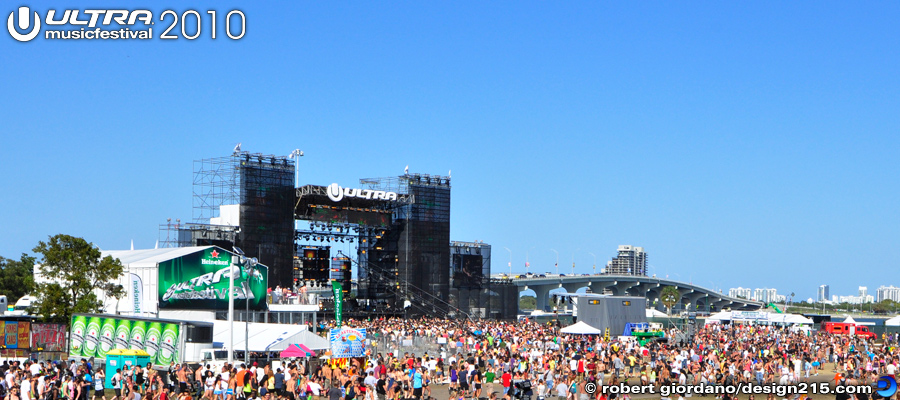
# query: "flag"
338, 301
137, 293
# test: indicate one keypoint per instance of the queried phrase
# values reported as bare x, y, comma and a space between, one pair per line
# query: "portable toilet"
118, 358
4, 303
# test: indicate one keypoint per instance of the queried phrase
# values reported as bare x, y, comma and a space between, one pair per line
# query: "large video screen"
315, 263
468, 270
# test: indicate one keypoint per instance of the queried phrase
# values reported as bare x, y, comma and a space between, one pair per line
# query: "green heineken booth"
118, 358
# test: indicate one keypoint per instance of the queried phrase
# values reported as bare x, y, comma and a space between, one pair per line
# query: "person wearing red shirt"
506, 380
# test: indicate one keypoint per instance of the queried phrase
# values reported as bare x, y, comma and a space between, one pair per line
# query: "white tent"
771, 318
654, 313
267, 337
849, 320
719, 316
793, 319
893, 321
581, 328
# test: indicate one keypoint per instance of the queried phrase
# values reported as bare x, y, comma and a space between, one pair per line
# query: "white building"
863, 291
853, 299
887, 293
765, 295
744, 293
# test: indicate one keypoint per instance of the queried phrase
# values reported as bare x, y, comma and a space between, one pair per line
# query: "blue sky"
742, 144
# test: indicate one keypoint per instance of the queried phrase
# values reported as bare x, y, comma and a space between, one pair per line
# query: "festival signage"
48, 337
137, 293
24, 334
749, 315
95, 336
11, 335
347, 342
338, 292
200, 281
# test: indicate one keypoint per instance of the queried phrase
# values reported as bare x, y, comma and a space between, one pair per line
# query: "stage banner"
137, 293
199, 281
338, 301
347, 342
48, 337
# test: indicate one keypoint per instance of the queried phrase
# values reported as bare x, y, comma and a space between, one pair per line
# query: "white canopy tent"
849, 320
767, 319
893, 321
267, 337
580, 328
654, 313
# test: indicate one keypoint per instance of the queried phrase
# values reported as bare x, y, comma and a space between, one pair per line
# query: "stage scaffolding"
413, 256
260, 189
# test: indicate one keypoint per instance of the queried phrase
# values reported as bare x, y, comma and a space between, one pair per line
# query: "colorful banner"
347, 342
338, 301
11, 335
48, 337
24, 335
95, 336
200, 281
137, 294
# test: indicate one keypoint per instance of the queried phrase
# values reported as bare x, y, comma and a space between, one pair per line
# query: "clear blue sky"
741, 143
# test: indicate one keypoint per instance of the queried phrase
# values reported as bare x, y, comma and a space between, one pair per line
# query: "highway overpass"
693, 296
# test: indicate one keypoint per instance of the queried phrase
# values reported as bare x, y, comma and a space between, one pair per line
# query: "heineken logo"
215, 259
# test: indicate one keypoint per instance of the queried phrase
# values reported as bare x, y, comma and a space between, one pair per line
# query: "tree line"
75, 272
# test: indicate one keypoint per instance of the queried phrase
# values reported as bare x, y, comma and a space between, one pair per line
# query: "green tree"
75, 270
16, 277
527, 302
669, 297
882, 307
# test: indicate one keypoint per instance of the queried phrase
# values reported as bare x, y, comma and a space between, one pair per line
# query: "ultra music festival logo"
25, 24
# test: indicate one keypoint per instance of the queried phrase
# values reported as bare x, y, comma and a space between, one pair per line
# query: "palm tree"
669, 297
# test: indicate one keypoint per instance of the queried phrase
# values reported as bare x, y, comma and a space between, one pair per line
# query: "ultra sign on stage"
337, 193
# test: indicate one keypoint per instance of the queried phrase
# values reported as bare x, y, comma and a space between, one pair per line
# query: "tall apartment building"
744, 293
765, 295
630, 260
823, 294
887, 293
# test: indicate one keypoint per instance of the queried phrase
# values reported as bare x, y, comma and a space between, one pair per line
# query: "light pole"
573, 262
234, 260
557, 261
242, 262
510, 261
595, 262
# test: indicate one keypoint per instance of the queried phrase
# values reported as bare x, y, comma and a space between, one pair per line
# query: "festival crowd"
485, 359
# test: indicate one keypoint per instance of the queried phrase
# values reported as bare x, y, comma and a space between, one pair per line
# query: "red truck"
843, 328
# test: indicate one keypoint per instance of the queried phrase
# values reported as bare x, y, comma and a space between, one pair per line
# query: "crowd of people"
484, 359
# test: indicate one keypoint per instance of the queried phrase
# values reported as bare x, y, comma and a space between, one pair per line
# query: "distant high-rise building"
823, 294
744, 293
765, 295
863, 291
630, 260
887, 293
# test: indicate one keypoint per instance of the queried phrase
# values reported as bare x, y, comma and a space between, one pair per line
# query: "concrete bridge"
696, 297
